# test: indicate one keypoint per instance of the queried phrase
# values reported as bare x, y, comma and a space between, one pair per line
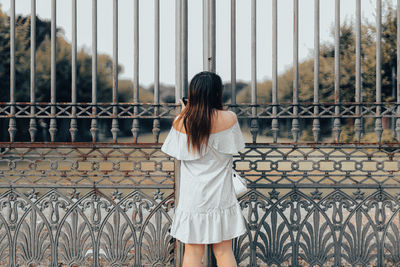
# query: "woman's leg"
193, 255
224, 254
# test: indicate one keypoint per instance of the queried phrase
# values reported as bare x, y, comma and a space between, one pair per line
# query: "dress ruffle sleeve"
229, 141
175, 145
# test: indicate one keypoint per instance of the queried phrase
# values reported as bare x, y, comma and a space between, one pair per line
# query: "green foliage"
347, 67
387, 137
4, 56
347, 74
43, 66
125, 90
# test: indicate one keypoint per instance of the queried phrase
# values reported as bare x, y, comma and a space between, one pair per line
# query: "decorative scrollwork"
392, 242
95, 205
4, 243
74, 241
332, 229
158, 245
92, 230
360, 242
34, 242
317, 244
10, 206
117, 242
275, 242
329, 206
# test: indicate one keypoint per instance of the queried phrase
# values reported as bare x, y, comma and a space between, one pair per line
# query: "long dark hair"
205, 97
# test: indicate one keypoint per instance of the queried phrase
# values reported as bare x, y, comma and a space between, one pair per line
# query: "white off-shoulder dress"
208, 210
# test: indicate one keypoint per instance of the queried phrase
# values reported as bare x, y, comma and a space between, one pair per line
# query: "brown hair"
205, 97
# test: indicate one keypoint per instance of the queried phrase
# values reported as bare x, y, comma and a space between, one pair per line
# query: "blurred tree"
347, 67
347, 72
43, 66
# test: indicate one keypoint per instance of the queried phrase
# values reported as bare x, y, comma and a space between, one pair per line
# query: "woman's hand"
182, 104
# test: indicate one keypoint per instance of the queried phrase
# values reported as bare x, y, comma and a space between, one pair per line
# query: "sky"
195, 62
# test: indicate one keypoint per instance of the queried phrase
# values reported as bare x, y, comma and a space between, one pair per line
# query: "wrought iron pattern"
85, 228
110, 204
168, 111
82, 206
324, 206
84, 110
85, 165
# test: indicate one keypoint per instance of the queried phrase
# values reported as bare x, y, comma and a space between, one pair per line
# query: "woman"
204, 137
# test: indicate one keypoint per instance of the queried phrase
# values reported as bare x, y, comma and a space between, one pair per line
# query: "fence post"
135, 122
179, 248
93, 127
32, 123
12, 126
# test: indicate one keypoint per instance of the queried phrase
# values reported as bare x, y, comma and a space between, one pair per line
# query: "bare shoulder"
224, 119
232, 114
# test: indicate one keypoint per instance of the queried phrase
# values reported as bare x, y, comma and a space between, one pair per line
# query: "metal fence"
110, 204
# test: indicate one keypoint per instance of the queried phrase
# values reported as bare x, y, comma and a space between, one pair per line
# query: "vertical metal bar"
316, 123
254, 121
295, 121
206, 258
253, 52
233, 51
114, 124
184, 46
393, 119
398, 71
93, 128
205, 34
156, 122
53, 123
12, 126
210, 261
212, 43
274, 123
357, 122
178, 87
135, 123
32, 121
179, 246
336, 122
73, 127
378, 121
178, 253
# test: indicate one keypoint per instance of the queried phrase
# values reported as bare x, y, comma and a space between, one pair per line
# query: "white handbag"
239, 183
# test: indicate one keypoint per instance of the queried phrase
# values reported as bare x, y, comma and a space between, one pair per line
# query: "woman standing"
204, 137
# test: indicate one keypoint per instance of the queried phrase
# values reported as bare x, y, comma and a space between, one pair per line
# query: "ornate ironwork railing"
319, 202
85, 205
167, 111
325, 205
